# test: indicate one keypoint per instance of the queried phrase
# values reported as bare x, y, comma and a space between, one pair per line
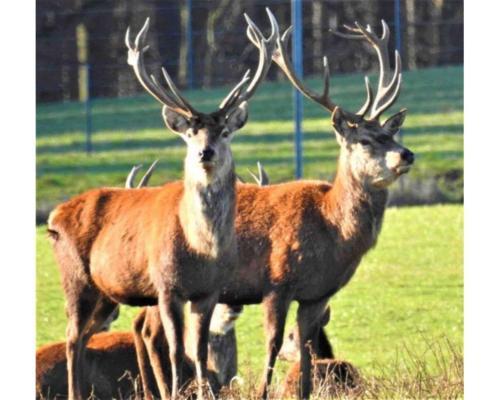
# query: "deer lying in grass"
111, 362
108, 358
304, 240
163, 245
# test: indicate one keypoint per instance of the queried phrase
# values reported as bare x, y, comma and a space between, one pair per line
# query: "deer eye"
225, 133
365, 142
352, 125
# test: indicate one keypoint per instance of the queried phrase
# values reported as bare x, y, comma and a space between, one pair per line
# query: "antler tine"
173, 88
262, 179
266, 47
136, 60
145, 179
369, 98
388, 87
129, 183
235, 92
280, 57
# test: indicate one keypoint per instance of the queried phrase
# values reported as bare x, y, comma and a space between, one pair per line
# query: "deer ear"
393, 124
176, 122
338, 119
237, 118
343, 122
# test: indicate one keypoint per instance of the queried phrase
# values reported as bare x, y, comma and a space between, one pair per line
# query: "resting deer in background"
304, 240
164, 245
111, 362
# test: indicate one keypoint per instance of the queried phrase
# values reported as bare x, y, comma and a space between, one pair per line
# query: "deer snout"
408, 156
207, 154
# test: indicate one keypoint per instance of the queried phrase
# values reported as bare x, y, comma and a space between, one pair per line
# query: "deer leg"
201, 313
308, 318
154, 339
275, 311
87, 312
140, 334
172, 318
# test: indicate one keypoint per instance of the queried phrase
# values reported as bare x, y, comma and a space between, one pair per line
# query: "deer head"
368, 147
207, 135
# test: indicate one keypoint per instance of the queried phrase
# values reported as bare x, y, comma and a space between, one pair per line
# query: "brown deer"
111, 362
111, 359
304, 240
163, 245
222, 349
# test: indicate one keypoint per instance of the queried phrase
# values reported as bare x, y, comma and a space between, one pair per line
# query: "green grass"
130, 131
407, 293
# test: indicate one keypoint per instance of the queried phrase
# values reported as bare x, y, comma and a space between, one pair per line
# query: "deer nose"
408, 156
206, 154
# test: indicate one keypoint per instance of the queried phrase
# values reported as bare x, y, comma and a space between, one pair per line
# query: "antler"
174, 99
388, 88
262, 179
266, 48
129, 183
280, 57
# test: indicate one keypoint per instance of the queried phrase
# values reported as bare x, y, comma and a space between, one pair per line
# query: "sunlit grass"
130, 131
407, 292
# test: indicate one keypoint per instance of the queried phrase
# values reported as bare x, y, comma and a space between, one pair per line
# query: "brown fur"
151, 349
125, 246
111, 368
304, 240
331, 377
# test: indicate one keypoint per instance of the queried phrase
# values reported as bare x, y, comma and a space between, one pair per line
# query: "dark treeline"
71, 33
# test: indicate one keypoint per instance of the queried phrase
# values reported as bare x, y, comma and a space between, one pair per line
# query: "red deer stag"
110, 357
163, 245
317, 232
222, 354
304, 240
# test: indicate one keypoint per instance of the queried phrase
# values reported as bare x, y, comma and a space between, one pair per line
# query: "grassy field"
130, 131
407, 294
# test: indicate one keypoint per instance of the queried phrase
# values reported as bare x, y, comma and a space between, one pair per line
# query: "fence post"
189, 42
88, 110
297, 97
397, 37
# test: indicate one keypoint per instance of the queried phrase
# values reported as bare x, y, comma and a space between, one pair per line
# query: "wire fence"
81, 54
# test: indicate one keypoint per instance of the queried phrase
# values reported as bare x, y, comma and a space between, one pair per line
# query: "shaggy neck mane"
355, 210
208, 211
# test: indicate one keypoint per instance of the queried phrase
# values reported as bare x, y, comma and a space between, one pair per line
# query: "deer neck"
207, 211
355, 209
